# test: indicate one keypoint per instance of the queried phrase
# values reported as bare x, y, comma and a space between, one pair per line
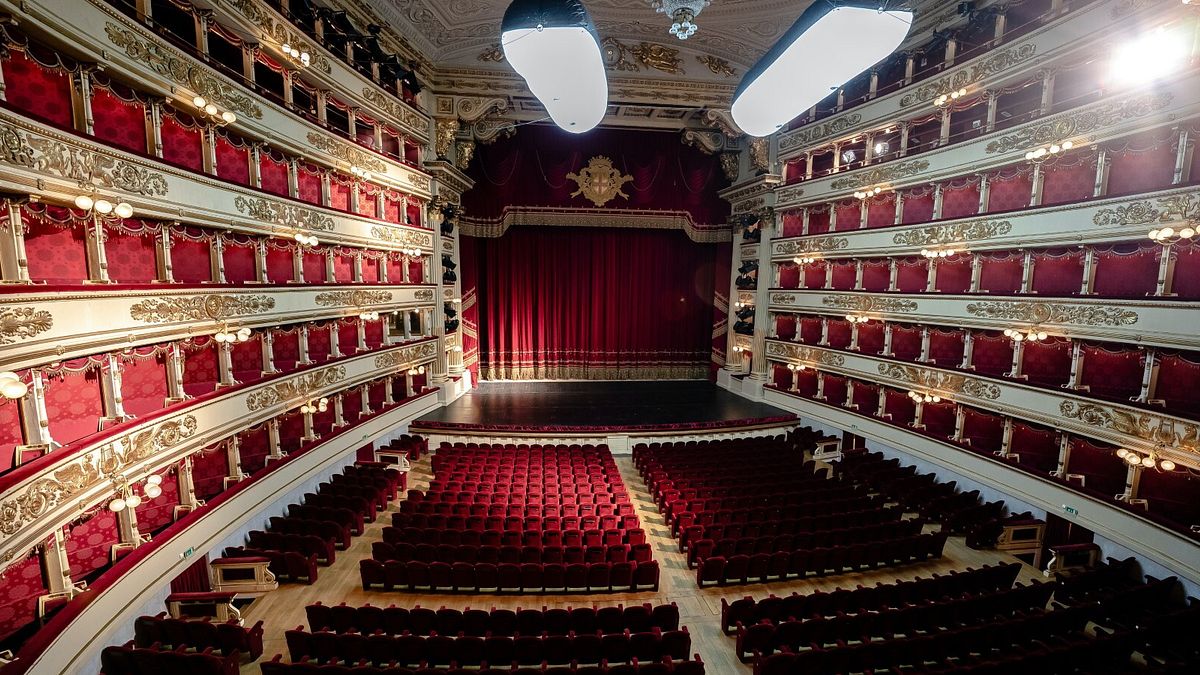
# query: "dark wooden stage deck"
582, 407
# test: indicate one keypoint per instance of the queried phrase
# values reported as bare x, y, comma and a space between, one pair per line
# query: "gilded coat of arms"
599, 181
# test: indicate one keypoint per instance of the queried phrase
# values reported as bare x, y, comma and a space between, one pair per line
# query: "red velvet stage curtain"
960, 198
1070, 177
89, 543
238, 258
1037, 447
41, 91
191, 255
308, 179
849, 215
870, 337
814, 274
906, 343
1112, 374
1142, 162
1057, 272
818, 219
946, 347
130, 251
918, 206
73, 401
898, 408
233, 158
247, 359
954, 274
844, 273
182, 139
1176, 385
810, 330
23, 583
1047, 363
200, 367
314, 264
991, 354
1104, 472
285, 347
10, 433
273, 171
912, 275
594, 303
54, 245
839, 333
1001, 273
1127, 270
280, 261
876, 275
119, 116
982, 431
881, 210
144, 382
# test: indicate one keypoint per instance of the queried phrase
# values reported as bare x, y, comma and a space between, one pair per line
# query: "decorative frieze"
816, 132
182, 72
20, 323
424, 294
406, 355
356, 298
790, 194
395, 235
347, 153
867, 303
1053, 313
811, 245
972, 230
1177, 207
413, 120
259, 15
792, 352
280, 213
978, 71
53, 157
1072, 125
940, 381
212, 307
295, 390
883, 174
1153, 429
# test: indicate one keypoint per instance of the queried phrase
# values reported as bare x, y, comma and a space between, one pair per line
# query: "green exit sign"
1070, 510
189, 552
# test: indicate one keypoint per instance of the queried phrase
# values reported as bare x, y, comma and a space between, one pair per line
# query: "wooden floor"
700, 609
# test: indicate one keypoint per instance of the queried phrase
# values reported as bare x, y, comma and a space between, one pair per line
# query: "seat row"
419, 620
225, 638
335, 514
801, 541
705, 447
521, 650
529, 484
276, 666
500, 555
323, 549
573, 537
756, 640
517, 508
328, 530
505, 497
502, 523
761, 567
509, 578
747, 610
788, 526
710, 483
724, 511
413, 444
285, 565
130, 660
786, 493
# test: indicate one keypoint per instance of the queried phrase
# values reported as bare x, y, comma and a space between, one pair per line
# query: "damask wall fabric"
144, 385
10, 433
119, 118
38, 91
131, 257
89, 544
182, 142
74, 405
57, 255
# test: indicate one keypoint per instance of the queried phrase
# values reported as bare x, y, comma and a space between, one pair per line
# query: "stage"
558, 408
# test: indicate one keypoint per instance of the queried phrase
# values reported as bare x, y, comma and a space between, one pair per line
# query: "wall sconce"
924, 397
1032, 335
411, 252
299, 58
227, 336
419, 370
945, 99
857, 318
128, 499
102, 208
861, 194
940, 252
805, 259
797, 367
305, 239
369, 316
1169, 235
1052, 149
361, 174
212, 113
319, 405
1150, 461
11, 386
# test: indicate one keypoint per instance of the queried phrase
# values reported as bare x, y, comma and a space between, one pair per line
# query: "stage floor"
599, 406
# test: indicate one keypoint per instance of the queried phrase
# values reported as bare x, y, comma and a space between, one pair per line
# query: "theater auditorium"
599, 337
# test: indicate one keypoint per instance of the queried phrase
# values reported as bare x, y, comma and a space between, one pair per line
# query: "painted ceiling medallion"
599, 181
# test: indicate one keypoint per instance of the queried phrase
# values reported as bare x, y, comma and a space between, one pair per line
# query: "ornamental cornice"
264, 18
1073, 124
281, 213
395, 235
1039, 313
869, 303
811, 245
883, 174
208, 307
978, 70
953, 233
296, 389
353, 155
940, 381
355, 298
20, 323
407, 356
811, 133
806, 355
45, 154
1172, 208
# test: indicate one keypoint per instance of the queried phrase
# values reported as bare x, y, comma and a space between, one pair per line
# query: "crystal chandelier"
683, 15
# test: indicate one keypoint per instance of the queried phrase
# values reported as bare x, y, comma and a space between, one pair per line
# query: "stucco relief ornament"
599, 181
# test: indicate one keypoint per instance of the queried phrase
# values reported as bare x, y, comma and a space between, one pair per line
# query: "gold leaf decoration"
20, 323
1143, 426
279, 213
599, 181
346, 152
1049, 312
658, 57
357, 298
182, 72
940, 381
406, 355
810, 133
410, 119
788, 194
208, 307
398, 235
1069, 125
783, 298
805, 354
974, 230
424, 294
717, 66
869, 303
1137, 213
883, 174
261, 16
812, 245
978, 71
296, 389
54, 157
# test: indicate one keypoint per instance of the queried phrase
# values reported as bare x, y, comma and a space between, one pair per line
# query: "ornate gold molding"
812, 245
19, 323
424, 294
418, 180
200, 308
1086, 121
1150, 428
356, 298
261, 17
445, 129
589, 217
56, 158
883, 174
174, 67
1170, 209
868, 303
346, 152
806, 354
88, 471
782, 299
985, 68
413, 120
296, 389
279, 213
1049, 312
940, 381
397, 235
406, 355
788, 194
816, 132
599, 182
717, 66
972, 230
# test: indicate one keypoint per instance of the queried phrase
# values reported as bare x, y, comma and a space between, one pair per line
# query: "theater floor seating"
393, 620
225, 638
130, 660
665, 667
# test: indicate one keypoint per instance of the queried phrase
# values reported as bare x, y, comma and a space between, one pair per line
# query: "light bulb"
153, 491
299, 236
1122, 453
1042, 335
84, 202
116, 505
1148, 462
937, 399
1187, 233
154, 479
199, 102
1029, 155
1133, 458
304, 58
133, 501
1167, 465
103, 207
1017, 337
13, 389
124, 210
287, 48
1067, 145
1165, 233
1153, 234
210, 109
8, 375
1054, 149
228, 117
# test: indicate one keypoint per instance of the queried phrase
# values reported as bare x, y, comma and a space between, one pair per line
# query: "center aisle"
699, 609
